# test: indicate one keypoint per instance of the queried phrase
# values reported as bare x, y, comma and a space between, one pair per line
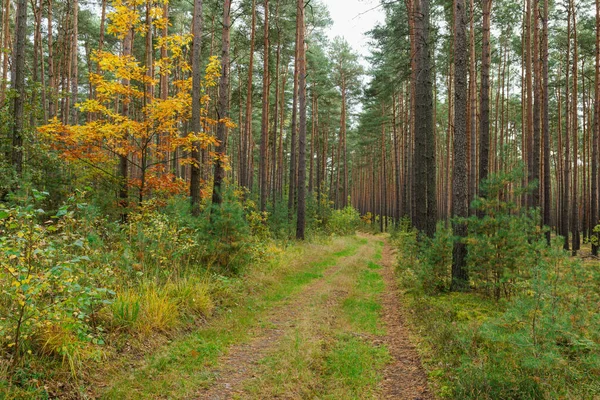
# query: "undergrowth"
528, 326
79, 289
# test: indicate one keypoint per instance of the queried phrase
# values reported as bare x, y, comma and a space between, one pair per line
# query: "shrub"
46, 285
502, 239
436, 261
224, 236
344, 222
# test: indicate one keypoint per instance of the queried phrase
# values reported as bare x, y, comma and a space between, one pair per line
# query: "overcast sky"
352, 19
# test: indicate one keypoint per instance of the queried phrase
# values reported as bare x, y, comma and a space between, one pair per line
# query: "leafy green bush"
47, 286
344, 222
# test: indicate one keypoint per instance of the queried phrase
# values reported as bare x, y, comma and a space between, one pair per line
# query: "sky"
352, 19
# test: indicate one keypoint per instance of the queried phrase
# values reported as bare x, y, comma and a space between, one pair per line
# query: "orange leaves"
228, 123
160, 183
124, 117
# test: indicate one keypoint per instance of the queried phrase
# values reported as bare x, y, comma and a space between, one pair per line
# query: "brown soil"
404, 378
241, 362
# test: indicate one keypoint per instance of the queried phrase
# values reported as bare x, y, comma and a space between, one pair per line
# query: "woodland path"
340, 336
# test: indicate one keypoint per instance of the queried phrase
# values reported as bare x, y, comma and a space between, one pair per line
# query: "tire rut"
240, 363
404, 378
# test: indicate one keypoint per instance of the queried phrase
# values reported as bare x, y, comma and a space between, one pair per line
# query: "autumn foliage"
150, 133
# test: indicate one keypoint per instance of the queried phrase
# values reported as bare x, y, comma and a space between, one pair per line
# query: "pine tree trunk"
472, 110
529, 92
196, 126
276, 113
6, 46
566, 159
484, 126
301, 221
460, 192
575, 120
535, 167
546, 125
264, 136
245, 161
223, 108
595, 137
18, 85
293, 139
51, 74
75, 63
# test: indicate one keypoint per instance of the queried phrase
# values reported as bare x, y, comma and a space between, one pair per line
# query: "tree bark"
595, 137
196, 126
264, 136
484, 125
575, 120
293, 159
223, 108
18, 85
460, 188
301, 220
245, 162
546, 125
424, 166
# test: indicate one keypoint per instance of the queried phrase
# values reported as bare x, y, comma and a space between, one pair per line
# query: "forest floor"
328, 326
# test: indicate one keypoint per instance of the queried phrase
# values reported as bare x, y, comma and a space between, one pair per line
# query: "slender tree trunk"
344, 145
535, 167
123, 158
18, 85
397, 188
245, 161
223, 108
566, 159
301, 221
264, 136
595, 137
51, 74
472, 109
575, 120
529, 64
293, 139
6, 47
484, 128
274, 188
196, 126
75, 63
546, 124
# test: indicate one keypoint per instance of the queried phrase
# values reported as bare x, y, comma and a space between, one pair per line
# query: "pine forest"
300, 199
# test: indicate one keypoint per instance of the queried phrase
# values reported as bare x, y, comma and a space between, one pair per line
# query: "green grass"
362, 308
378, 252
353, 368
329, 354
176, 370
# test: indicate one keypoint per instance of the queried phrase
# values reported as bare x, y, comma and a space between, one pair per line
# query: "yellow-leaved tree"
129, 134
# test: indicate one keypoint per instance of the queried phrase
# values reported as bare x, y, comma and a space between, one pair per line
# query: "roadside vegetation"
82, 294
527, 325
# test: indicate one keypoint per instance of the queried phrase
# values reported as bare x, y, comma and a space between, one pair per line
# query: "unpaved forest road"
308, 347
